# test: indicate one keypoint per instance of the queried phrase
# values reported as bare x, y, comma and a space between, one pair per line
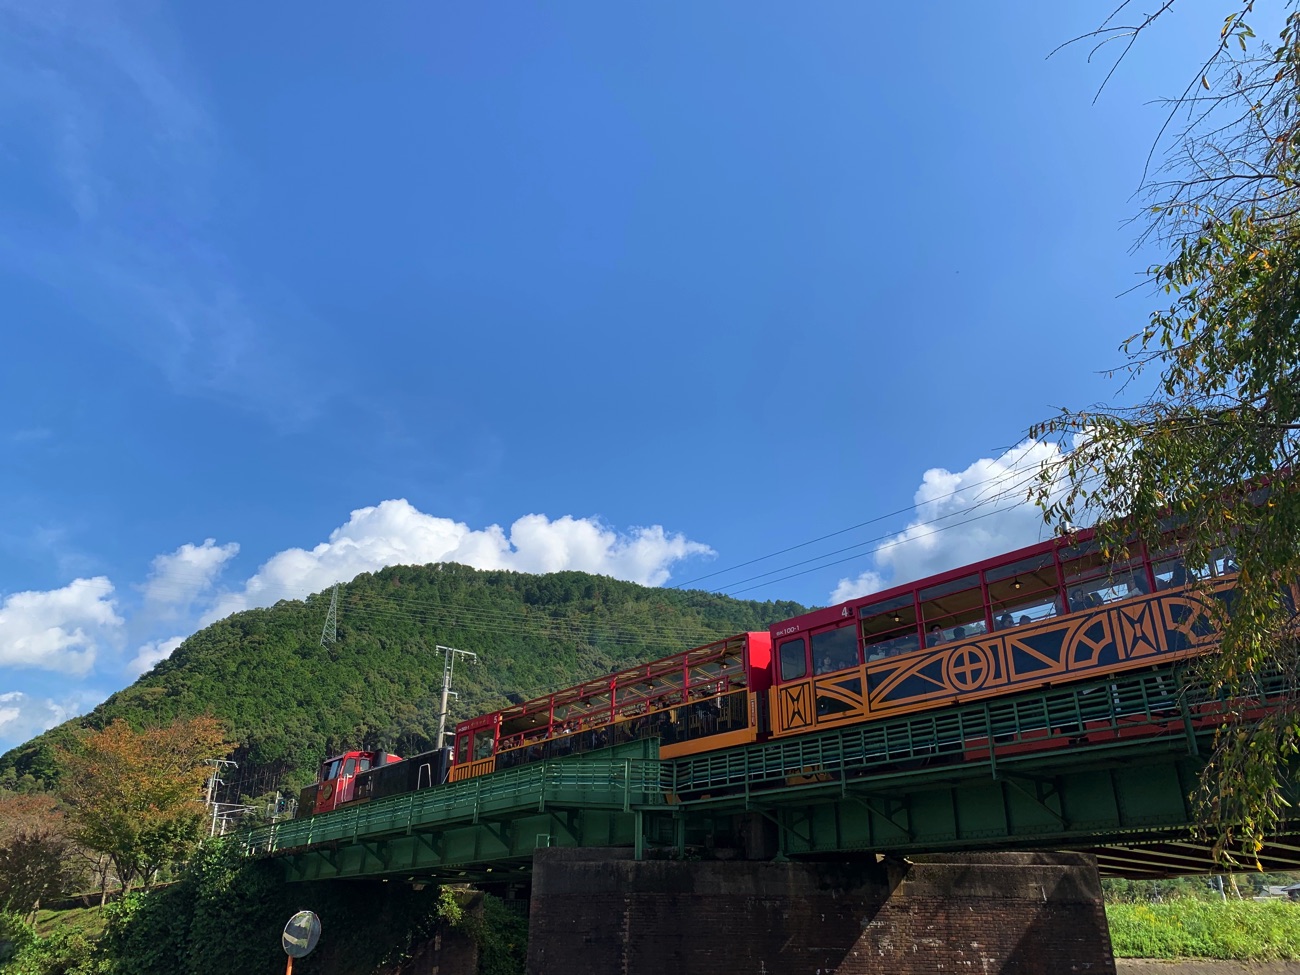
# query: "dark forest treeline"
287, 699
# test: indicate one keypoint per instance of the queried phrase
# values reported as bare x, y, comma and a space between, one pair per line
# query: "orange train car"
1043, 615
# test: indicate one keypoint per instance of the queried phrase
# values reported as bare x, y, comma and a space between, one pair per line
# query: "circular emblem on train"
967, 668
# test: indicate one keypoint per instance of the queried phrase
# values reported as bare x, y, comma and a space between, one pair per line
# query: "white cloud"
396, 533
868, 582
61, 629
541, 545
178, 579
23, 716
960, 518
153, 652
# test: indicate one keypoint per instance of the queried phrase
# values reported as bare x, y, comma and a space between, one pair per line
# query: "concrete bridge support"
1010, 913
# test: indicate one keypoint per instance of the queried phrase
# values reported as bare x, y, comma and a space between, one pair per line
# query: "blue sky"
644, 289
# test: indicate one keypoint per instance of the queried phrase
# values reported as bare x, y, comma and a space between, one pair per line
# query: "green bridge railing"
615, 783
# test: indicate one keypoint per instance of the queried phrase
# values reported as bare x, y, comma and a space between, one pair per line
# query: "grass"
88, 921
1186, 928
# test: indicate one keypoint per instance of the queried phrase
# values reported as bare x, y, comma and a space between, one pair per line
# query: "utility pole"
216, 764
448, 662
330, 632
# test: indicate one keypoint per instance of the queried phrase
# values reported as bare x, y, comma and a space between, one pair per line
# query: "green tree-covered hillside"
288, 700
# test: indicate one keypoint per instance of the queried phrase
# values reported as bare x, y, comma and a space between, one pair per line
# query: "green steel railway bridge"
1105, 767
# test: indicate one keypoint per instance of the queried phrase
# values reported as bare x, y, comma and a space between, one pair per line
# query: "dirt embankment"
1204, 966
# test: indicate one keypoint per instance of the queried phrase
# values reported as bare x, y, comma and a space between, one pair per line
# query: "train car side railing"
1117, 712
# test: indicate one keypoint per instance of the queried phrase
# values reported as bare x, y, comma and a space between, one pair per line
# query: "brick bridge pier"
1010, 913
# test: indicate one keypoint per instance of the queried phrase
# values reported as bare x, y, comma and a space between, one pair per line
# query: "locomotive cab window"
794, 659
1223, 562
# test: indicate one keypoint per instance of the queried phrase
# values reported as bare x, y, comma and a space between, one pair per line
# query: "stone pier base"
1022, 913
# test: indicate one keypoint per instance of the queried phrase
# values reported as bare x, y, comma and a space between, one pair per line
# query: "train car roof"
849, 608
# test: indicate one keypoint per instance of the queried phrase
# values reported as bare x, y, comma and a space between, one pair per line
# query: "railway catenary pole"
217, 764
448, 662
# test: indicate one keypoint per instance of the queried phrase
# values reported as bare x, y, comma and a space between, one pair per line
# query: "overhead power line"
507, 622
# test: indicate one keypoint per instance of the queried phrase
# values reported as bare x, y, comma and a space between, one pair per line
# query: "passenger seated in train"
935, 637
1177, 578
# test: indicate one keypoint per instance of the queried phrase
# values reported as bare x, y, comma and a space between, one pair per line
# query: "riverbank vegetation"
1247, 930
225, 914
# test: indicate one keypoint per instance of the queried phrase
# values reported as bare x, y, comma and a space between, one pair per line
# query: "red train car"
713, 696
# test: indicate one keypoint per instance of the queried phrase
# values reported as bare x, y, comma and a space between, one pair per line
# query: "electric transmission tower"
330, 633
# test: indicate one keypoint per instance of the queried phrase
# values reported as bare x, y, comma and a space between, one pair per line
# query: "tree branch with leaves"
1212, 445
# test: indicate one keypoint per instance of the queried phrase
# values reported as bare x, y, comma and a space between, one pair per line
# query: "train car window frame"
484, 743
888, 628
956, 608
834, 648
1091, 579
1023, 591
788, 659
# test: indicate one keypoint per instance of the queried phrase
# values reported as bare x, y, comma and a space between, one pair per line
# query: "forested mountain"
288, 700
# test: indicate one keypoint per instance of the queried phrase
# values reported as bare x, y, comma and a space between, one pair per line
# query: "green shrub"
15, 934
503, 944
24, 952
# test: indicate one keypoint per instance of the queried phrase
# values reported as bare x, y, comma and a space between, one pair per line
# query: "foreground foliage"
1189, 928
226, 915
1214, 381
